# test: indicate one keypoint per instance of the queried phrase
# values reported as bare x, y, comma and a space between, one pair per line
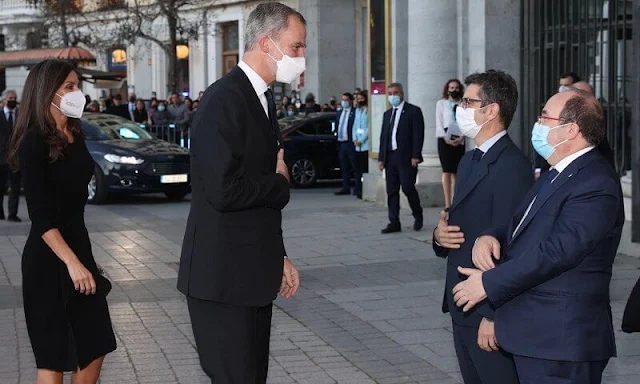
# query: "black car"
130, 160
311, 147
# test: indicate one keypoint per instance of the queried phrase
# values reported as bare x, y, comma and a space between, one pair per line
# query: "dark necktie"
477, 155
549, 177
392, 124
271, 107
10, 120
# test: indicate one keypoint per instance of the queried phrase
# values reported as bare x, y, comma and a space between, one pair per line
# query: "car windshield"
113, 129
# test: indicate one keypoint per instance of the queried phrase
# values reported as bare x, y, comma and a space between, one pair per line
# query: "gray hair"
7, 92
396, 85
268, 19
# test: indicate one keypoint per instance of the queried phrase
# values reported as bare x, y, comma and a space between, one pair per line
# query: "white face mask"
467, 122
289, 68
564, 88
72, 104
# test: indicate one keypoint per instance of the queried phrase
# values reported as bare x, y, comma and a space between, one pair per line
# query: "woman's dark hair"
39, 90
140, 101
445, 90
365, 95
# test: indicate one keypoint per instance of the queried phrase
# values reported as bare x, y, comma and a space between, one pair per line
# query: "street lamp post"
635, 124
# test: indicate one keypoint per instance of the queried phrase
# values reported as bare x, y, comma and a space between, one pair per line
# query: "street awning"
101, 79
32, 57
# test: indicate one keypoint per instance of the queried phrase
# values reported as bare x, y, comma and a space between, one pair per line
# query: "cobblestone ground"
368, 312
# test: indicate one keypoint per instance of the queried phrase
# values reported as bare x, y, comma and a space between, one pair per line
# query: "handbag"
103, 285
631, 317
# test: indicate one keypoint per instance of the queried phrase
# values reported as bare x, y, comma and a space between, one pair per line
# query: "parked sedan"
311, 147
129, 160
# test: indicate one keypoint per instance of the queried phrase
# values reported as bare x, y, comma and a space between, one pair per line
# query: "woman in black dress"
67, 320
450, 148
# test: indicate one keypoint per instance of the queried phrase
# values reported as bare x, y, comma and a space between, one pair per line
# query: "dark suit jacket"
233, 250
605, 150
410, 134
5, 135
552, 289
484, 198
352, 119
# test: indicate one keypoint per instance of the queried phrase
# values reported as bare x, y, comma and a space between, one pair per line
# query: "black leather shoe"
418, 224
359, 195
14, 219
1, 215
343, 192
392, 228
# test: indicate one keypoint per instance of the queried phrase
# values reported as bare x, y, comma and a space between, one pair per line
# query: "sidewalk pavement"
368, 310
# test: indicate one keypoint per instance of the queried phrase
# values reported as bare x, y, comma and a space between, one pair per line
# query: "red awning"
34, 56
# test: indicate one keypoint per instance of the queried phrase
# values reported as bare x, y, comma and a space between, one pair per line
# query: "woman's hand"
83, 280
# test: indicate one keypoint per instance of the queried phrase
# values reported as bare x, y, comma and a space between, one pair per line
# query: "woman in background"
450, 150
361, 138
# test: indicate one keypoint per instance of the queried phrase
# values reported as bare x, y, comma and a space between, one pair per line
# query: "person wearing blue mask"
400, 153
551, 289
346, 151
361, 140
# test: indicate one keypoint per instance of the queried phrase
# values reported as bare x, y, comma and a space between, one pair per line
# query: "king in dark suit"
233, 261
492, 181
401, 140
551, 290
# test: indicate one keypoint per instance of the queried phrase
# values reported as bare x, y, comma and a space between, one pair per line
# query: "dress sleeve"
33, 166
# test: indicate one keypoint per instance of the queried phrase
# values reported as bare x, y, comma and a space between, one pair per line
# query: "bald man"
603, 147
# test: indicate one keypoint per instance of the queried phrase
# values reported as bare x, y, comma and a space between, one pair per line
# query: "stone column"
432, 58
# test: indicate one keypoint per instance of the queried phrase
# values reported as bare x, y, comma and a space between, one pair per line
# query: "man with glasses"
492, 180
551, 290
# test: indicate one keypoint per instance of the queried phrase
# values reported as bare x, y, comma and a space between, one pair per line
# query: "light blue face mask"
540, 142
290, 113
394, 100
345, 104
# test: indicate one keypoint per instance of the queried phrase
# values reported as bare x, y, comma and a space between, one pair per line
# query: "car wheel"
304, 173
176, 194
97, 190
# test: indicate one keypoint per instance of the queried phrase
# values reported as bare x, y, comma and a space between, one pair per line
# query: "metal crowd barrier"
170, 133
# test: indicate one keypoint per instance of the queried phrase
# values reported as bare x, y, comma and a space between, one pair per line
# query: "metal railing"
170, 133
591, 38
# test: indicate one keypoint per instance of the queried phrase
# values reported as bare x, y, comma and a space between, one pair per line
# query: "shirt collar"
7, 110
486, 146
564, 163
259, 85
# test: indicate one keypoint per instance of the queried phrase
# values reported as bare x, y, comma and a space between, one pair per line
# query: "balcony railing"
16, 6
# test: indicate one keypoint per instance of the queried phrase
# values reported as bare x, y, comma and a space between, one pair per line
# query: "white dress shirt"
444, 116
13, 114
394, 142
259, 85
486, 146
344, 119
561, 166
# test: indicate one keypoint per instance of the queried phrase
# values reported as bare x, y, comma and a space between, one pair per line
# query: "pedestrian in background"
346, 151
8, 120
361, 140
63, 291
140, 114
401, 140
450, 146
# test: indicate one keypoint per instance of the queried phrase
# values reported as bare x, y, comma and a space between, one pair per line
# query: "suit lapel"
254, 102
476, 172
561, 179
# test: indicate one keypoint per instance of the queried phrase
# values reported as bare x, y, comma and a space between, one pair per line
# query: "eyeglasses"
545, 117
466, 100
